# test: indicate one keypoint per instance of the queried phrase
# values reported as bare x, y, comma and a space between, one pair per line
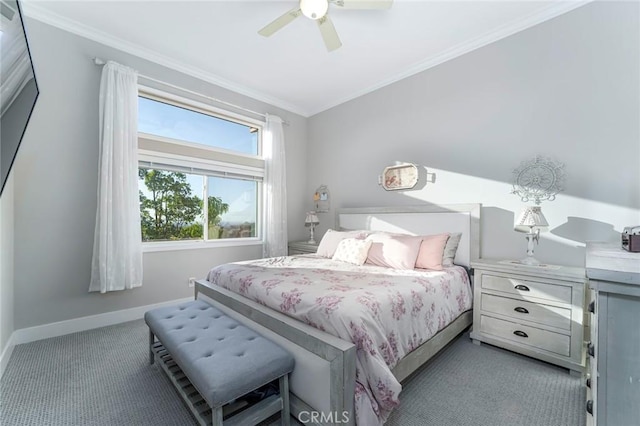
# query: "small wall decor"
401, 176
321, 199
539, 179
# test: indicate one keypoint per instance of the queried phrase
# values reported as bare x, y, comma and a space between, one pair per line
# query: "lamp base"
532, 237
312, 240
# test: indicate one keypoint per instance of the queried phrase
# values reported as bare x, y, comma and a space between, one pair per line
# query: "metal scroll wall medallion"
539, 179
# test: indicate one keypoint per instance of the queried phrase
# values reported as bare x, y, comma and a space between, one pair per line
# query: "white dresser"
537, 311
613, 379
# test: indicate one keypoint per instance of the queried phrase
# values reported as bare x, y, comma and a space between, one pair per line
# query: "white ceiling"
218, 41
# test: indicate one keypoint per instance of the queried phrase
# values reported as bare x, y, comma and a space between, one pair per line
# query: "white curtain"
117, 247
275, 223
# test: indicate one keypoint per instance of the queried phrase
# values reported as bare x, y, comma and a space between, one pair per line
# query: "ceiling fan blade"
280, 22
363, 4
329, 34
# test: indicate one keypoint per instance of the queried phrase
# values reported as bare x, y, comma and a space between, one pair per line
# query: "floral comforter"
385, 312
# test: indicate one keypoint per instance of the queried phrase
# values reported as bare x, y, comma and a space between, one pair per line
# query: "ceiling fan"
317, 10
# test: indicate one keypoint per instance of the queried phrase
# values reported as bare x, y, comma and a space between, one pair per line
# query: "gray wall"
6, 264
567, 88
56, 178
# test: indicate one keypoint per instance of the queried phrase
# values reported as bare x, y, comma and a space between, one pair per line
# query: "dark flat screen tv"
18, 86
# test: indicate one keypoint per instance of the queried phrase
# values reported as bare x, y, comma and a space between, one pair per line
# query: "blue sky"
173, 122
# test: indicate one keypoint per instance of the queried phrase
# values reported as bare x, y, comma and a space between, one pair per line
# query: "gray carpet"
102, 377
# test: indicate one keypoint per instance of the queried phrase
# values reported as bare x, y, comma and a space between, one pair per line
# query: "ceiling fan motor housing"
314, 9
317, 10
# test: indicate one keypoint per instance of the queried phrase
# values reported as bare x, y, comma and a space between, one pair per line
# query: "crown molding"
46, 16
499, 33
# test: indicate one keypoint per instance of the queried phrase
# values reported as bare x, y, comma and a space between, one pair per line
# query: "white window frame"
214, 162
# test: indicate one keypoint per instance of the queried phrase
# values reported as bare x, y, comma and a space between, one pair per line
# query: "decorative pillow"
352, 250
394, 251
431, 252
450, 249
331, 239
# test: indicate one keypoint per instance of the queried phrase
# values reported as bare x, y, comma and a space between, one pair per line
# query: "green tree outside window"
171, 212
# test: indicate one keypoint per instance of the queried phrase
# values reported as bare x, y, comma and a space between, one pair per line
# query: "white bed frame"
328, 362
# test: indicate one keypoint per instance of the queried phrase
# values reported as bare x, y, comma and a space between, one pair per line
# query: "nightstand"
537, 311
302, 247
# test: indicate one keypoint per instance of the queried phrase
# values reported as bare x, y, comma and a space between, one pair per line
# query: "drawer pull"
520, 333
523, 288
521, 310
590, 407
592, 307
589, 383
591, 350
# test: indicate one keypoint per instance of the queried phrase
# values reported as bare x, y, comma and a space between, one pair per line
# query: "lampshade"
529, 218
314, 9
312, 219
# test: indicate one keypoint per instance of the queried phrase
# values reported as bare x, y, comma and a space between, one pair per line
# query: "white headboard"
421, 220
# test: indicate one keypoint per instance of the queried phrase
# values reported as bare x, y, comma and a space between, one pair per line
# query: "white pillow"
450, 249
352, 250
331, 239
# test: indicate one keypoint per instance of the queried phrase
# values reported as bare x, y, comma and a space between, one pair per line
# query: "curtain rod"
100, 62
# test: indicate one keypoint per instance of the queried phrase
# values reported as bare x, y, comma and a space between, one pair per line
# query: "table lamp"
311, 221
530, 221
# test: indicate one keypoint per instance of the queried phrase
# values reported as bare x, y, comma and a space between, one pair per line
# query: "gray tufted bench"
212, 358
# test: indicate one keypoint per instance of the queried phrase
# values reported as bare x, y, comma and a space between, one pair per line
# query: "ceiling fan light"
314, 9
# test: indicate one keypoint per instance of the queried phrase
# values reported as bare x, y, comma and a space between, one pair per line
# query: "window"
200, 172
163, 119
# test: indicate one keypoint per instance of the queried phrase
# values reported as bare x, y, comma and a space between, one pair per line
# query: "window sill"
198, 245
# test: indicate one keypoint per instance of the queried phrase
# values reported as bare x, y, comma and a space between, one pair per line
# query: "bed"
345, 357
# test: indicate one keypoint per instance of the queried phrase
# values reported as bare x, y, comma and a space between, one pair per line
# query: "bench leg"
285, 415
151, 342
216, 416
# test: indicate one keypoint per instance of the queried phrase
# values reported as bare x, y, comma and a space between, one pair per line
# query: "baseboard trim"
55, 329
6, 354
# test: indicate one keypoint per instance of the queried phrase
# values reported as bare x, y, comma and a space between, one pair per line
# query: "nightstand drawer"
525, 335
302, 247
525, 289
293, 252
527, 311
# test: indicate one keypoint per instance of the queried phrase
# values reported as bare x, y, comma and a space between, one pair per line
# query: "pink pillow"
431, 250
331, 239
394, 251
